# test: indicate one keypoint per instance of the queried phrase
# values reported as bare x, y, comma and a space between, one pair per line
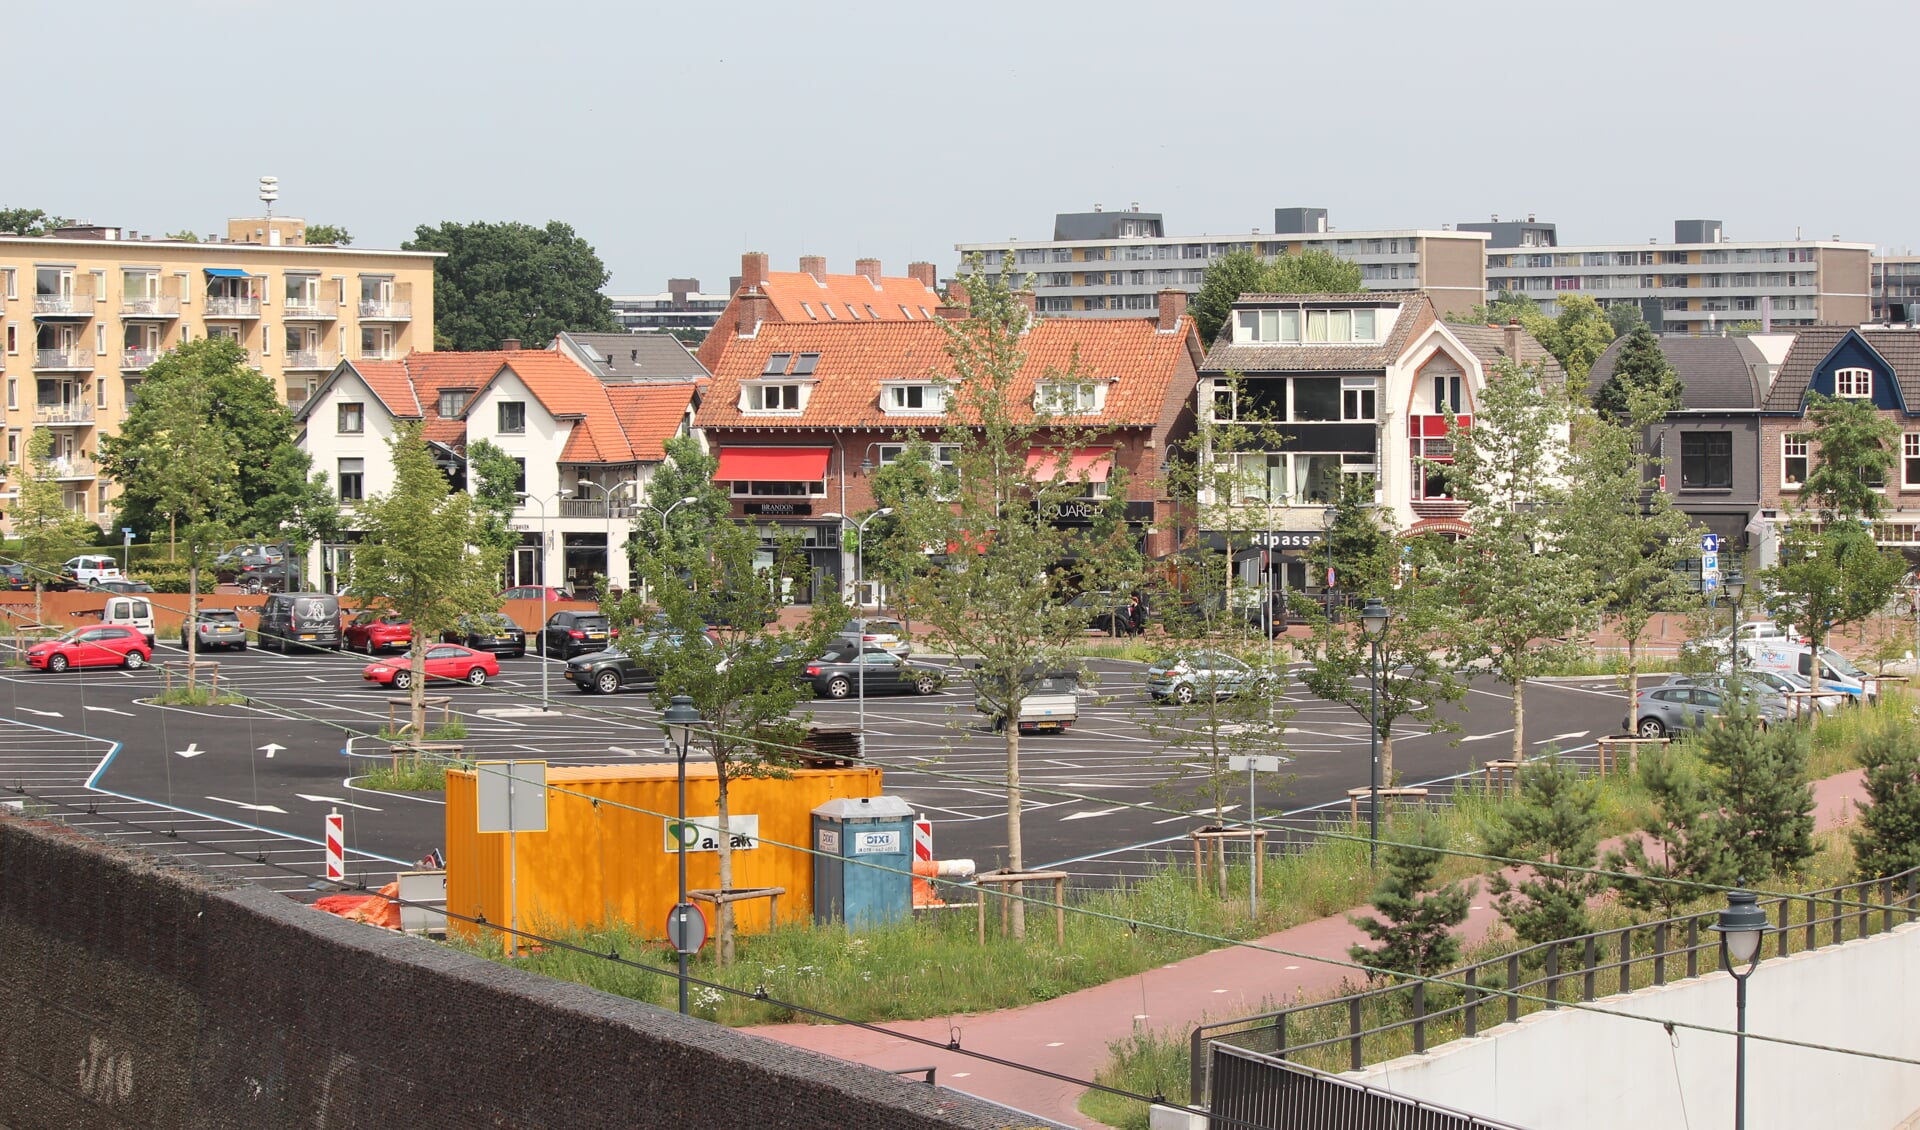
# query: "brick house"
812, 296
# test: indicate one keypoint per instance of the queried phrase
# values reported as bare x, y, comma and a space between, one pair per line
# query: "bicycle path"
1070, 1034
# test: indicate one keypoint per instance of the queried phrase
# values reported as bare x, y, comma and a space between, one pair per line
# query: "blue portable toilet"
863, 861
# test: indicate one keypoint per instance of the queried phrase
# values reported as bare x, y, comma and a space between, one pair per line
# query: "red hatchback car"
375, 630
445, 662
104, 646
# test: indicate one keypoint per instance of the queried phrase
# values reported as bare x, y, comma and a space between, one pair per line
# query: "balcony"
134, 360
1439, 508
595, 508
162, 308
69, 359
309, 310
389, 310
71, 414
63, 305
72, 467
218, 307
308, 359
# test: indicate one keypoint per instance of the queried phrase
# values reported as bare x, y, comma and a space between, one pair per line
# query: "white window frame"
1909, 460
1853, 383
932, 397
1795, 445
1364, 394
753, 396
1088, 397
743, 488
943, 454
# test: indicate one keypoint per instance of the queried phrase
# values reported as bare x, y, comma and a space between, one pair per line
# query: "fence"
1351, 1031
1263, 1091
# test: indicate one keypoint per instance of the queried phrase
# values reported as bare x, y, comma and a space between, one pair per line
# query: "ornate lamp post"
1741, 927
1373, 624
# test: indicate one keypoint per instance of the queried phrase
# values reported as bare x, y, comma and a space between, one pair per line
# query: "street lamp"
859, 580
1736, 586
1332, 518
1740, 926
681, 722
671, 507
541, 502
1373, 623
607, 493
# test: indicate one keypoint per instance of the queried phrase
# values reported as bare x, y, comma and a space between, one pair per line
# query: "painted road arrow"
193, 750
334, 800
271, 748
43, 713
249, 807
111, 710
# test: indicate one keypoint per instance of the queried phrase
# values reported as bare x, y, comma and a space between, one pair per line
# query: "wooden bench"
1411, 792
1004, 878
421, 751
1503, 776
1209, 847
1610, 749
720, 898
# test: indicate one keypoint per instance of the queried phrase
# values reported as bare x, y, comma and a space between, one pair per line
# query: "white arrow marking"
1088, 815
334, 800
623, 750
249, 807
193, 750
109, 710
1575, 734
271, 748
1484, 737
42, 713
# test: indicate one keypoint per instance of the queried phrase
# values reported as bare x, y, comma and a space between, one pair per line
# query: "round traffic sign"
686, 928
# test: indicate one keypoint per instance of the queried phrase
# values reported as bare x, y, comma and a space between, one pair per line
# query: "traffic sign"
1710, 583
1709, 543
686, 928
1710, 562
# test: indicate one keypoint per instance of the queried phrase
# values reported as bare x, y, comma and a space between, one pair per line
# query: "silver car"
1187, 677
216, 627
1673, 707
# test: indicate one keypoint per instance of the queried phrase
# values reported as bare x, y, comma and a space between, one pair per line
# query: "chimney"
815, 265
509, 344
1030, 304
1173, 304
750, 310
753, 271
868, 269
925, 273
955, 306
1513, 341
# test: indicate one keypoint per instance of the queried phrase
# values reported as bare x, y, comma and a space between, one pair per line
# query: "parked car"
1779, 682
532, 592
15, 578
447, 662
613, 669
1836, 671
1673, 707
568, 634
493, 631
299, 619
376, 630
888, 635
1188, 676
875, 670
1107, 612
1049, 701
121, 586
92, 568
96, 646
215, 627
134, 612
277, 576
270, 554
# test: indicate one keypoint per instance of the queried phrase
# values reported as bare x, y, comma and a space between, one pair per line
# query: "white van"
91, 568
1837, 672
130, 612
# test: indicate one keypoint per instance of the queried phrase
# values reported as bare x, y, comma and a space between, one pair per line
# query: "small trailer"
1049, 702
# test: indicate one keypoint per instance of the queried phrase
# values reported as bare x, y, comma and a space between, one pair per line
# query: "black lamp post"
682, 722
1332, 518
1736, 586
1740, 926
1373, 624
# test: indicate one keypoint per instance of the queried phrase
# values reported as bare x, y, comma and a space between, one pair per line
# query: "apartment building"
1896, 288
682, 309
88, 308
1114, 264
1699, 283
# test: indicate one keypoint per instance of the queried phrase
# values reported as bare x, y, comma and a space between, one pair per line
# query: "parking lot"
1092, 796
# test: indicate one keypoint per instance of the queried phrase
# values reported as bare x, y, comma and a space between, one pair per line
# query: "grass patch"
1138, 651
197, 695
1149, 1062
406, 776
450, 731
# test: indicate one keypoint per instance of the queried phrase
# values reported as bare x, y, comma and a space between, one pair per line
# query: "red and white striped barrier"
336, 847
923, 841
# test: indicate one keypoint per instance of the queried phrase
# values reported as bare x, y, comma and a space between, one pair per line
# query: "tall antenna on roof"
269, 192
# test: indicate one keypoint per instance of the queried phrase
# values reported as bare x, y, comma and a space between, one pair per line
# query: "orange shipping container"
608, 862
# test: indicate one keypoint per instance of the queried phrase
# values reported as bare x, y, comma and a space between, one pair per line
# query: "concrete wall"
139, 993
1573, 1070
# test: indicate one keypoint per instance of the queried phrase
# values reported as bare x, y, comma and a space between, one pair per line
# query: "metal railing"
308, 359
387, 310
221, 307
131, 359
77, 304
72, 467
594, 508
1265, 1091
307, 310
150, 308
63, 358
78, 412
1348, 1032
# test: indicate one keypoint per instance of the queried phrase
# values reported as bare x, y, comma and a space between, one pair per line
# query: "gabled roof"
1814, 344
798, 296
1719, 374
1415, 314
632, 357
566, 391
1489, 344
856, 360
650, 413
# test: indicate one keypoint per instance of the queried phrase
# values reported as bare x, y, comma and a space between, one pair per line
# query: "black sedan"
613, 669
495, 632
568, 634
876, 672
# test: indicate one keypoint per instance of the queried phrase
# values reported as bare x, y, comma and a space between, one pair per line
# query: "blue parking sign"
1709, 543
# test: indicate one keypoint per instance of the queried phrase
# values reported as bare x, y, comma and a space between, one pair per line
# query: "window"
1446, 395
101, 393
1910, 460
1793, 461
1854, 384
1706, 461
914, 398
772, 398
520, 476
353, 418
13, 392
452, 403
13, 337
1357, 398
771, 489
804, 363
808, 308
13, 447
352, 480
513, 417
1316, 398
1068, 398
776, 364
7, 278
943, 454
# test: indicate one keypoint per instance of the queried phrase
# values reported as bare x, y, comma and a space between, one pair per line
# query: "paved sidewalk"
1071, 1034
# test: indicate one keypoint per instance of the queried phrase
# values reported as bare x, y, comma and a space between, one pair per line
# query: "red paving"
1070, 1034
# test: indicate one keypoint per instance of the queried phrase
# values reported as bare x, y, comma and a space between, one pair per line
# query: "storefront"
1286, 562
781, 492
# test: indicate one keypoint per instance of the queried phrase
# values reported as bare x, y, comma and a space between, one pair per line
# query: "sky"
673, 137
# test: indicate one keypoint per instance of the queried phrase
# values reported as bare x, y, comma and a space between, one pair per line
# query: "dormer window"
1314, 326
452, 403
768, 396
913, 399
1069, 398
1853, 384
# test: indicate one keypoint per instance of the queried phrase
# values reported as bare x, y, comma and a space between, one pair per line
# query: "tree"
687, 472
1577, 337
1687, 851
1522, 595
1623, 317
48, 530
1856, 455
1762, 803
1887, 839
421, 554
895, 548
1642, 368
1313, 271
184, 236
494, 477
328, 234
1555, 825
1242, 272
30, 221
512, 280
1415, 927
1508, 306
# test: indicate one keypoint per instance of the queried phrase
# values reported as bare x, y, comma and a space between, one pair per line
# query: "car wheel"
241, 646
402, 680
926, 684
57, 663
607, 682
839, 687
477, 677
1652, 728
183, 641
135, 660
1183, 694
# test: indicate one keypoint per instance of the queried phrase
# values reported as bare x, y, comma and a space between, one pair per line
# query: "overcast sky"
675, 136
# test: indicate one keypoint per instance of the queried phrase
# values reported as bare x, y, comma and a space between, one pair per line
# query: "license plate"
307, 635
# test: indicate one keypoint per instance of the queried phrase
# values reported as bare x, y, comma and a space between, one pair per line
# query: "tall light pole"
1332, 518
681, 722
1736, 586
671, 507
541, 502
607, 493
859, 578
1740, 926
1373, 622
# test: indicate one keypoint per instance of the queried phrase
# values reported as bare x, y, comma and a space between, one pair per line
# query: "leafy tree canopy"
1855, 452
1243, 272
30, 221
512, 280
1642, 368
333, 234
185, 235
1624, 316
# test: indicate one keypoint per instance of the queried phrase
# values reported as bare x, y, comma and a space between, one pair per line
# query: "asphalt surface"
232, 784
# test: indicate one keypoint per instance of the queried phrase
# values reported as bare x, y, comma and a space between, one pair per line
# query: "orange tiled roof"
388, 380
567, 390
651, 413
798, 296
855, 360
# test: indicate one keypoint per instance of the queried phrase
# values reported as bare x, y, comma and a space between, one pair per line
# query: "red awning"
1093, 464
773, 464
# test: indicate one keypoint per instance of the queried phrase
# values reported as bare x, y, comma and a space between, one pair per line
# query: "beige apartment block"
87, 309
